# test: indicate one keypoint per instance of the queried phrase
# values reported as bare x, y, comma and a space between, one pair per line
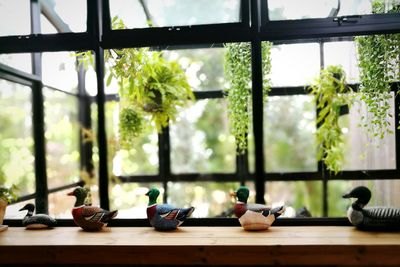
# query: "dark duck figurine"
37, 221
254, 216
165, 217
89, 218
374, 218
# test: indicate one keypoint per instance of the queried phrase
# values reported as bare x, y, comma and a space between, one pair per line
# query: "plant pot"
3, 206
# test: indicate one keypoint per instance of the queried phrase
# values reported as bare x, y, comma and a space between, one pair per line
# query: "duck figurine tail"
374, 218
38, 221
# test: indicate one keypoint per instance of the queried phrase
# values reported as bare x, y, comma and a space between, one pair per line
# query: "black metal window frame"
253, 28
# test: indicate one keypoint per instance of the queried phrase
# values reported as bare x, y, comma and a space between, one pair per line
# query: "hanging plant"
331, 93
238, 74
379, 63
149, 86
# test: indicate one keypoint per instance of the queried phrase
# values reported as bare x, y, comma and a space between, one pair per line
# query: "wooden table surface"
201, 245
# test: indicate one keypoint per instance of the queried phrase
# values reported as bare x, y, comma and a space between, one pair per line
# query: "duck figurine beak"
346, 196
148, 193
70, 193
233, 194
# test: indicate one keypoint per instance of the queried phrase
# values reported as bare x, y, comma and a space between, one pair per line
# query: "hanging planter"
331, 94
238, 74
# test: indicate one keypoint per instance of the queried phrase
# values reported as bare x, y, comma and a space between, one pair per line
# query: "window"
60, 121
142, 14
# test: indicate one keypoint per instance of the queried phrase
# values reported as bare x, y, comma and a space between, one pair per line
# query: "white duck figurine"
382, 218
254, 216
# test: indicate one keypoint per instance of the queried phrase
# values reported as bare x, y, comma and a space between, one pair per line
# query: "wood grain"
317, 246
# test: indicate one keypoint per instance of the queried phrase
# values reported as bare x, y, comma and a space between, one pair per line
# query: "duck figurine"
89, 218
165, 217
373, 218
254, 217
37, 221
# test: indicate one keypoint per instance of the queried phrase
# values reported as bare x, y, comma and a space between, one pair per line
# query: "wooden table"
335, 246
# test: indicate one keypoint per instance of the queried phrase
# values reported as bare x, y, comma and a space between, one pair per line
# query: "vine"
379, 63
238, 73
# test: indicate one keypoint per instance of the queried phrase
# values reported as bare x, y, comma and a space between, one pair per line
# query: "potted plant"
7, 195
331, 93
238, 74
379, 63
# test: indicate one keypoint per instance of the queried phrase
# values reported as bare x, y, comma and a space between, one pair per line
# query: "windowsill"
324, 245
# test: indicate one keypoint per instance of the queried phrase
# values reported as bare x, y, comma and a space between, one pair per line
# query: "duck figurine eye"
165, 217
89, 218
36, 221
253, 217
373, 218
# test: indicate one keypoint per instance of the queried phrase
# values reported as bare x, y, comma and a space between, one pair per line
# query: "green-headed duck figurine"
165, 217
254, 217
89, 218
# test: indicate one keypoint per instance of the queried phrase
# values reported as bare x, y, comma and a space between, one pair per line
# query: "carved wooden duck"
379, 218
254, 216
165, 217
37, 221
89, 218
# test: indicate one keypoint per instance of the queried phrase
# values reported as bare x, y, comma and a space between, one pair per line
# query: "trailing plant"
379, 63
331, 93
238, 73
149, 86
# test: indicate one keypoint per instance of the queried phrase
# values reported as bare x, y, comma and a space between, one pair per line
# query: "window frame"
254, 29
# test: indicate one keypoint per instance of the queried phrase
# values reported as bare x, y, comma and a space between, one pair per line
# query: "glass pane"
294, 9
200, 139
289, 134
210, 199
15, 17
294, 64
176, 12
204, 67
298, 197
384, 193
12, 211
59, 71
46, 26
21, 61
62, 138
130, 199
344, 54
140, 159
71, 14
362, 152
16, 142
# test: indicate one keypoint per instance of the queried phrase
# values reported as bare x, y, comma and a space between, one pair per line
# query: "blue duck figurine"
254, 217
374, 218
89, 218
37, 221
165, 217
